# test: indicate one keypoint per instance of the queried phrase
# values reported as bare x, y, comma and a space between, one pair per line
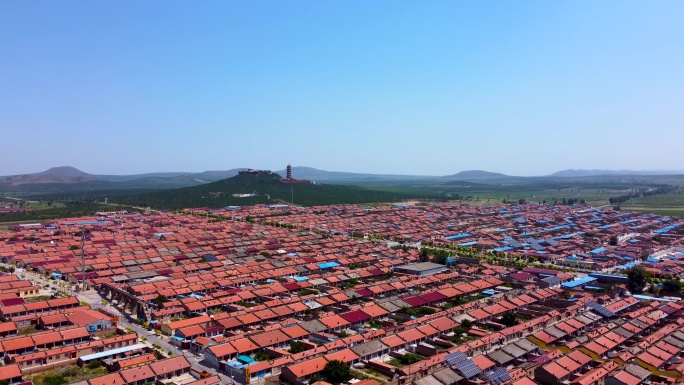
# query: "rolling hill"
267, 189
476, 175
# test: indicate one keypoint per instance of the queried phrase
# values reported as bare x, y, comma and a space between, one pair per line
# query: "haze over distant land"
410, 88
72, 175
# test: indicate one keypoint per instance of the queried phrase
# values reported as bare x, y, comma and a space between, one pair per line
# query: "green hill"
267, 189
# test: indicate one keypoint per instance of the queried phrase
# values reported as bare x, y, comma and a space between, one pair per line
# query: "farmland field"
666, 204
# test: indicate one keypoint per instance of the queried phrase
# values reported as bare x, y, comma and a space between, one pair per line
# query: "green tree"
160, 299
297, 347
672, 285
424, 255
336, 372
637, 277
508, 318
613, 240
466, 324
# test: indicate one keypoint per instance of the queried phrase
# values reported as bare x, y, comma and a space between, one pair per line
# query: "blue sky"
404, 87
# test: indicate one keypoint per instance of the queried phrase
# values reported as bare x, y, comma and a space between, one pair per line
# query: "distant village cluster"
425, 294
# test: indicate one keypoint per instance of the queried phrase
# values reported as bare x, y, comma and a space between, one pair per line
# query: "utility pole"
83, 269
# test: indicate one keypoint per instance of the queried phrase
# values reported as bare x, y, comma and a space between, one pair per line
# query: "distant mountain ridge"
587, 173
66, 171
476, 174
72, 175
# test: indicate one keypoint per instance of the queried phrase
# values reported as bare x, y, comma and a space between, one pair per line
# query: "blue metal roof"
649, 298
328, 265
301, 279
598, 251
578, 282
92, 222
245, 359
472, 243
667, 228
458, 236
627, 266
112, 352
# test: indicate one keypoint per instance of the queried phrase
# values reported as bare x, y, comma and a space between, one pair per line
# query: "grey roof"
623, 332
389, 306
427, 380
675, 342
500, 357
526, 345
423, 266
400, 303
314, 326
142, 274
639, 324
678, 335
513, 351
554, 331
592, 316
369, 348
553, 280
447, 376
318, 281
637, 371
551, 242
514, 243
583, 319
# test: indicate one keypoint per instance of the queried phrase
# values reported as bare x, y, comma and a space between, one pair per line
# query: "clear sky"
405, 87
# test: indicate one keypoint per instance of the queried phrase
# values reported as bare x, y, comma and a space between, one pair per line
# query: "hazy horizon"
413, 88
282, 168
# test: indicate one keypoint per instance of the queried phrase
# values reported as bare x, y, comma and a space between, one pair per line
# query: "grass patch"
29, 330
665, 211
304, 292
37, 299
66, 375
